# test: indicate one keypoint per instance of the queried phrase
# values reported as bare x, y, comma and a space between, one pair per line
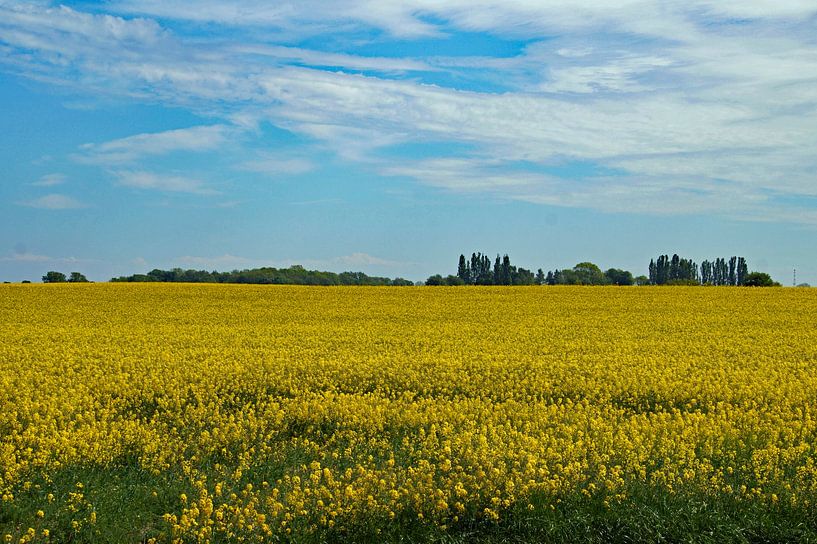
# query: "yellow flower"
379, 404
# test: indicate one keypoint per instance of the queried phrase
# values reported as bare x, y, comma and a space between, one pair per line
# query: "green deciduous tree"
617, 276
759, 279
588, 273
54, 277
436, 279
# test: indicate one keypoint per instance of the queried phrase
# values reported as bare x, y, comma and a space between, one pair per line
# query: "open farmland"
199, 413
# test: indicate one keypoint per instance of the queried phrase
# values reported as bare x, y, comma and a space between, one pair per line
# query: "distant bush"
759, 279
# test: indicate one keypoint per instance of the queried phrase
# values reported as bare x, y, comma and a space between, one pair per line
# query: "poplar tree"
743, 271
463, 272
506, 277
733, 269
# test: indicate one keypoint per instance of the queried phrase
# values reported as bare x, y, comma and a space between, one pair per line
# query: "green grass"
128, 511
123, 498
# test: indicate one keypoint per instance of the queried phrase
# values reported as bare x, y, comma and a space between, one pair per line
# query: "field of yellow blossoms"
230, 413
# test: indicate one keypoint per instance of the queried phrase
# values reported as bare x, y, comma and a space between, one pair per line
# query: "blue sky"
389, 137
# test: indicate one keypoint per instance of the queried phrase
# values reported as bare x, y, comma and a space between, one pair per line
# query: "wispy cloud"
161, 182
308, 17
344, 262
623, 74
36, 258
318, 59
630, 85
50, 180
652, 195
364, 259
54, 201
410, 19
25, 258
195, 139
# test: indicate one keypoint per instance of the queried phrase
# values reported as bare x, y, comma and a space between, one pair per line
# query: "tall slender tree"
506, 278
463, 271
743, 271
706, 272
674, 268
733, 271
662, 270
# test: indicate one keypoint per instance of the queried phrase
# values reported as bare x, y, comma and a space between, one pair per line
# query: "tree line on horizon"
53, 276
294, 275
720, 272
478, 270
664, 270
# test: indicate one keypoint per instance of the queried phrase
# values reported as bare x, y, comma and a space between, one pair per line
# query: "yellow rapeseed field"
233, 413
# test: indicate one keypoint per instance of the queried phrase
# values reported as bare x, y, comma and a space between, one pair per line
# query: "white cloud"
228, 261
35, 258
760, 8
161, 182
305, 17
54, 201
320, 58
26, 258
67, 34
195, 139
50, 180
647, 194
467, 174
629, 84
409, 18
619, 75
364, 259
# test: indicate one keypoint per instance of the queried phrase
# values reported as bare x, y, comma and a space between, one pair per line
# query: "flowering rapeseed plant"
249, 413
